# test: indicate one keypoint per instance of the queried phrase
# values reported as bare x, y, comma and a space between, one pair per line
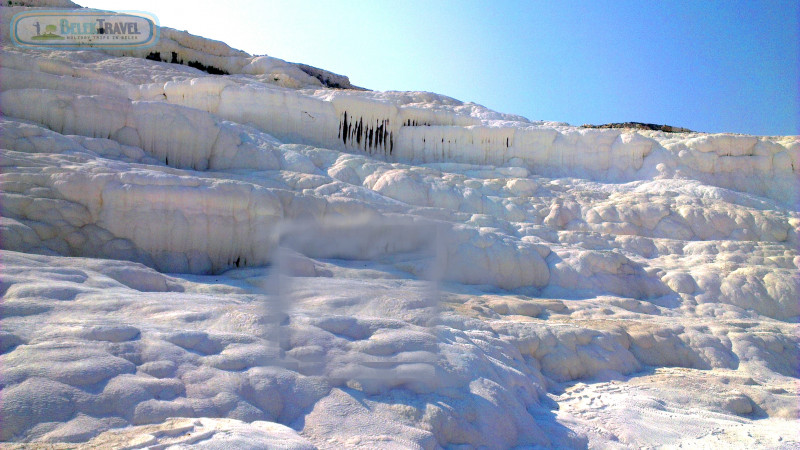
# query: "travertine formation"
376, 269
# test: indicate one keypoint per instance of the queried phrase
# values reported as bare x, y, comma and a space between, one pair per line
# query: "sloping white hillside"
204, 247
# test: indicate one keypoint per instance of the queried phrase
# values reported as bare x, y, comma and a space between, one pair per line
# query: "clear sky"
705, 65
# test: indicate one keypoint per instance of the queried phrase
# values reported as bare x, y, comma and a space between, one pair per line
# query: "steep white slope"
396, 128
305, 221
490, 228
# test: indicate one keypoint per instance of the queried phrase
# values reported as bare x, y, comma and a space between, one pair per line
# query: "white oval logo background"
82, 29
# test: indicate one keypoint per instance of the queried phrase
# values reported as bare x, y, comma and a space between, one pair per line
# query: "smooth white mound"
376, 269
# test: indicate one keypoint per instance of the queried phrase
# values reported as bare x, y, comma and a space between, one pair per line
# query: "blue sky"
709, 66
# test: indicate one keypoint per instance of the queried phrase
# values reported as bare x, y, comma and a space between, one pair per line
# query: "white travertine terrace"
150, 208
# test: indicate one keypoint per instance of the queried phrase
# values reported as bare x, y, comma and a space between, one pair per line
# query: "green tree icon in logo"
49, 34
